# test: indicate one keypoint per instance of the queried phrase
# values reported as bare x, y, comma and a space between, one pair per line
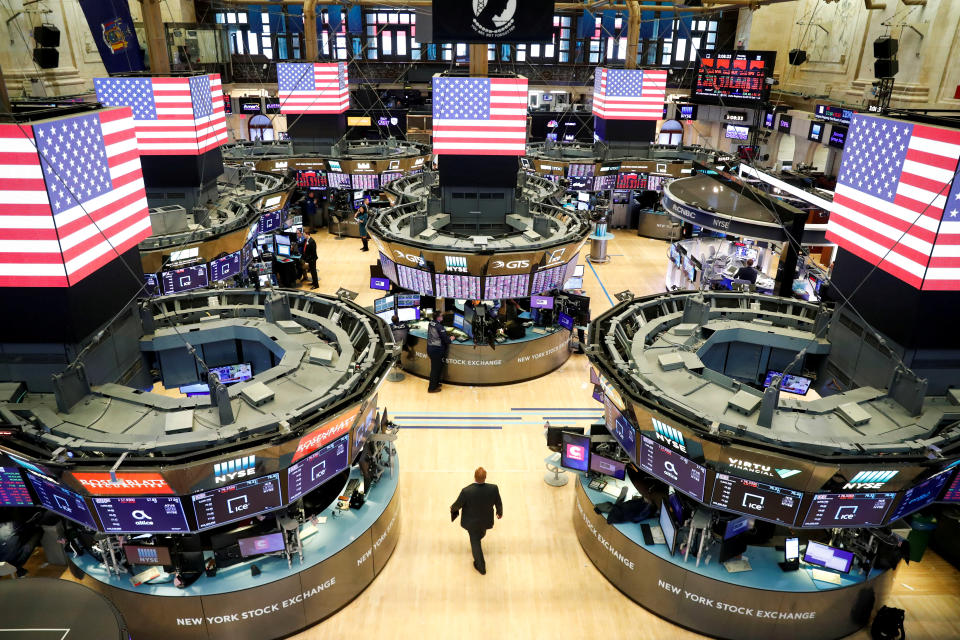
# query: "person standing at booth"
748, 272
361, 217
478, 502
310, 258
437, 343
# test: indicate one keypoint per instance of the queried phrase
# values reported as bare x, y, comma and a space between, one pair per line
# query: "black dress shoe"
481, 570
434, 390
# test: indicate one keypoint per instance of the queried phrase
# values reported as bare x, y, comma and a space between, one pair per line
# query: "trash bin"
921, 527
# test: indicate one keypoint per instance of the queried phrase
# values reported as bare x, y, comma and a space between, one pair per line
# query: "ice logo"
494, 17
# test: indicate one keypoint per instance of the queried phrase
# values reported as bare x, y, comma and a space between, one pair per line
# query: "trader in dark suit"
748, 272
478, 502
310, 257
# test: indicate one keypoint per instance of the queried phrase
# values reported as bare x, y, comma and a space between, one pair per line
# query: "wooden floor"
539, 584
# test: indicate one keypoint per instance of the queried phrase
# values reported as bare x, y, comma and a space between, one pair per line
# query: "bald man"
478, 502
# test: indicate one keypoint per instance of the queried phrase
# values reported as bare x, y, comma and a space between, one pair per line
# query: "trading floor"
539, 583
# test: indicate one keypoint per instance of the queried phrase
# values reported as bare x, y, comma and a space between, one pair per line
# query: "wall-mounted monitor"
669, 466
225, 267
249, 105
61, 500
500, 287
383, 284
838, 137
737, 132
179, 280
758, 499
309, 473
784, 123
816, 131
848, 509
141, 515
921, 495
733, 77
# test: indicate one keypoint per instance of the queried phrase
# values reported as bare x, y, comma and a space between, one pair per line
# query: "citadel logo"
494, 18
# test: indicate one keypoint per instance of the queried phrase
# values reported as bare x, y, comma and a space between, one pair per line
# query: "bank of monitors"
417, 280
664, 463
575, 451
541, 302
919, 496
180, 280
501, 287
604, 183
408, 300
61, 500
669, 526
789, 383
225, 267
13, 489
456, 286
270, 222
141, 515
231, 373
259, 545
547, 279
146, 555
339, 180
758, 499
608, 467
321, 465
733, 77
237, 501
389, 176
828, 557
848, 509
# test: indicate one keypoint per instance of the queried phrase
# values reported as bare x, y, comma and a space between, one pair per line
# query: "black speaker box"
46, 57
46, 35
885, 68
797, 57
885, 47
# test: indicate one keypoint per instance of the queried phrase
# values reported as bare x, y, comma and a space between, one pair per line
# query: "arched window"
261, 128
671, 133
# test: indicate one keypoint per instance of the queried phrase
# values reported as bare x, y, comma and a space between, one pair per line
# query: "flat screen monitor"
312, 180
578, 271
608, 467
669, 526
575, 452
387, 303
249, 105
408, 314
816, 132
415, 280
604, 183
573, 283
230, 373
451, 285
733, 77
270, 222
621, 429
548, 279
151, 284
141, 515
501, 287
789, 383
565, 321
784, 124
147, 555
237, 501
458, 321
13, 489
541, 302
366, 181
791, 549
225, 267
838, 137
338, 180
282, 240
828, 557
738, 132
283, 250
769, 118
179, 280
259, 545
664, 463
952, 494
408, 300
919, 496
382, 284
581, 184
306, 475
61, 500
737, 526
848, 509
758, 499
389, 267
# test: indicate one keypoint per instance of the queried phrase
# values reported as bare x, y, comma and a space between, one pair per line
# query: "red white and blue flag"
173, 116
629, 94
313, 87
480, 116
897, 203
71, 197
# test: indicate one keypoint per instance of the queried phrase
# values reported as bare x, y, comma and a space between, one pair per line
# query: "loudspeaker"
797, 56
885, 68
46, 57
46, 35
885, 47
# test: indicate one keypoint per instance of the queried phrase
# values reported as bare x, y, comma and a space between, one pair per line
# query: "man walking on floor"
478, 502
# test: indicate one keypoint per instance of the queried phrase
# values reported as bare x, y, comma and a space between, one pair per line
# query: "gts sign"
513, 264
409, 257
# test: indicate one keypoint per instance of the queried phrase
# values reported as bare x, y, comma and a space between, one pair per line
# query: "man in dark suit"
478, 502
748, 272
310, 257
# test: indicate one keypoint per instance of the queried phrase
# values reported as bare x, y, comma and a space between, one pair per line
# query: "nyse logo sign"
234, 469
669, 436
870, 479
512, 264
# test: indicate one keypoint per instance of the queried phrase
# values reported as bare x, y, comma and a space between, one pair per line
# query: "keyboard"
825, 576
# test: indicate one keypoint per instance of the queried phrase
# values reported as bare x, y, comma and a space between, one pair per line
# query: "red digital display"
734, 75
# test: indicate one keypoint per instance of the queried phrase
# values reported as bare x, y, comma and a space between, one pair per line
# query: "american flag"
71, 197
480, 116
313, 87
900, 179
629, 94
173, 116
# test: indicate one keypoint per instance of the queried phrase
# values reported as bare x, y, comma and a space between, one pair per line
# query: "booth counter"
532, 356
761, 603
341, 556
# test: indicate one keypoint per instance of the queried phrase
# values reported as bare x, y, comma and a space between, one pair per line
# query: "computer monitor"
578, 271
283, 250
458, 321
828, 557
565, 321
669, 526
259, 545
575, 452
791, 550
383, 284
737, 526
282, 240
147, 555
789, 383
608, 467
555, 436
408, 314
541, 302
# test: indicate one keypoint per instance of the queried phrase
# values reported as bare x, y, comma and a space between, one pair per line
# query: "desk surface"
765, 574
330, 538
419, 330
